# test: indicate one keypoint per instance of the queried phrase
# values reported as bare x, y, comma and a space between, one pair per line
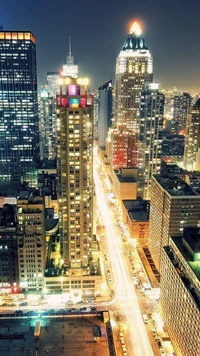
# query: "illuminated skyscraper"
47, 116
192, 139
150, 133
19, 126
181, 109
53, 85
75, 171
70, 69
134, 69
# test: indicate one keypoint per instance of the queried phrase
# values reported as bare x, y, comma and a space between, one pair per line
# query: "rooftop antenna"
70, 48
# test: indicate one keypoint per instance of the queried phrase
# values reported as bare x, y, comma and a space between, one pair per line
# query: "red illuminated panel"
73, 89
83, 102
64, 101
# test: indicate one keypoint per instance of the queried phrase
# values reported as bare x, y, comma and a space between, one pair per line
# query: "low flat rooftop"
174, 185
138, 209
123, 179
75, 336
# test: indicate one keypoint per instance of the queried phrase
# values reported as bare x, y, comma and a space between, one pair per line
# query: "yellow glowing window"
8, 35
20, 36
2, 35
14, 35
27, 36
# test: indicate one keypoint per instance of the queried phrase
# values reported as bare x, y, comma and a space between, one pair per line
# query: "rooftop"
76, 335
123, 179
138, 209
174, 185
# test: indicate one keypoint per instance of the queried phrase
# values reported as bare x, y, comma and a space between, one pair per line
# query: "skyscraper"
134, 69
150, 133
19, 127
75, 171
47, 116
105, 112
70, 69
53, 85
181, 108
192, 139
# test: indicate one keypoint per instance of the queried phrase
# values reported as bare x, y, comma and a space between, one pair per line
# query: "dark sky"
98, 28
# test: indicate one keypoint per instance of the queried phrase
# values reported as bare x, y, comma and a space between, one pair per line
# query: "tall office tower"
192, 139
47, 124
105, 112
31, 241
70, 69
75, 171
150, 133
134, 69
53, 85
180, 292
19, 126
174, 205
181, 109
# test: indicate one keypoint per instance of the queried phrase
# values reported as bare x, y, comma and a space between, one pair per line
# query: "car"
159, 343
23, 304
93, 308
69, 302
153, 332
84, 309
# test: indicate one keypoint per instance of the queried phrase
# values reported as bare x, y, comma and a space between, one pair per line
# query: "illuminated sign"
73, 103
73, 89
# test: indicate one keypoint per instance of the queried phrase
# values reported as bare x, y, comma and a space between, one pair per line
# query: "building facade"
174, 205
19, 125
31, 241
105, 99
150, 134
47, 124
75, 171
181, 107
9, 273
192, 139
180, 292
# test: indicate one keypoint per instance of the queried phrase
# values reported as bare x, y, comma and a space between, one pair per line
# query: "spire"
70, 48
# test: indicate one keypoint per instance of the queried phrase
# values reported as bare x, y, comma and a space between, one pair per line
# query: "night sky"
171, 29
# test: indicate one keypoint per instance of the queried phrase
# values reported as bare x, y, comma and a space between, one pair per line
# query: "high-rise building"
192, 139
180, 291
53, 85
19, 126
134, 69
150, 133
31, 241
70, 69
181, 108
105, 112
75, 171
47, 118
174, 205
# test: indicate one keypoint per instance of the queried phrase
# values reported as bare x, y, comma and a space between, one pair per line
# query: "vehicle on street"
146, 320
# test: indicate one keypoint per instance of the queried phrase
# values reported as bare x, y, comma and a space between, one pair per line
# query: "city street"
136, 338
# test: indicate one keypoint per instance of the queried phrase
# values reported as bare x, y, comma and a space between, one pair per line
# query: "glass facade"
19, 128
